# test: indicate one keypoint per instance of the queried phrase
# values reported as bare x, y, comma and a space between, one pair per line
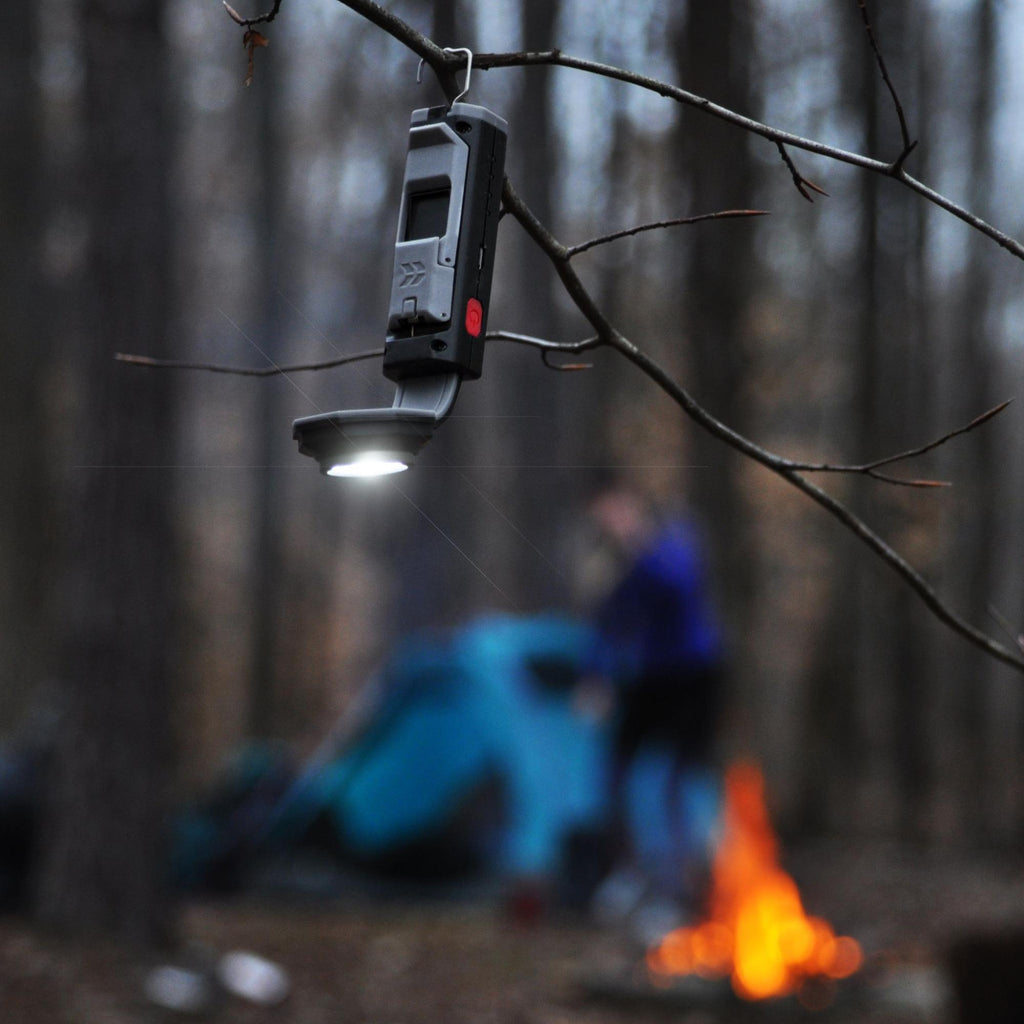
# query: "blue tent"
486, 710
469, 753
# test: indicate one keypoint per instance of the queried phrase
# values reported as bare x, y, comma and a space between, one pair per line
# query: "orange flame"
756, 930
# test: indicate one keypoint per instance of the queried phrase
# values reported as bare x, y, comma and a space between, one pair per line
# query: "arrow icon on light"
412, 273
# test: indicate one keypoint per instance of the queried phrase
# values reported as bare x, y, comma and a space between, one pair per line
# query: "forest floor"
355, 960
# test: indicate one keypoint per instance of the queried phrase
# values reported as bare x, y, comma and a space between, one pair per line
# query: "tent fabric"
469, 749
453, 712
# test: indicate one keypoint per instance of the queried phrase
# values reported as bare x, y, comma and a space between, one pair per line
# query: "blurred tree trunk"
868, 722
445, 27
23, 513
533, 139
102, 867
272, 434
713, 161
979, 466
853, 668
892, 661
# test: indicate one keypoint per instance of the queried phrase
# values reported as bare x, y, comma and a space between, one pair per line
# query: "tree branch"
549, 348
247, 371
445, 65
485, 61
834, 507
569, 347
871, 468
1015, 635
803, 186
908, 146
560, 256
575, 250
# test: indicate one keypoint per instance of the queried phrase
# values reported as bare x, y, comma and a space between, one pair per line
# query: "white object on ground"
253, 977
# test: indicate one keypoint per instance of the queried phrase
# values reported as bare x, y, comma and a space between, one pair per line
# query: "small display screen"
427, 214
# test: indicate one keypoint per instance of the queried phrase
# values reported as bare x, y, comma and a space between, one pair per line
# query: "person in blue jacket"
656, 661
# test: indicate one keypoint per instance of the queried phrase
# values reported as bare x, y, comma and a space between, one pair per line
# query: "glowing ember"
757, 930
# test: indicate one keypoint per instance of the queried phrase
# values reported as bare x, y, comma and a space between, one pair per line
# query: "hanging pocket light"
440, 289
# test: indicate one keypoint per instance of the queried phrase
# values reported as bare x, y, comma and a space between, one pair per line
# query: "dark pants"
675, 710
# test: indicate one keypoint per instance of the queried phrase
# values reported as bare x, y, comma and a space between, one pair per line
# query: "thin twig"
904, 131
549, 348
568, 347
801, 183
545, 358
247, 371
444, 63
261, 19
871, 468
546, 347
1004, 625
973, 425
575, 250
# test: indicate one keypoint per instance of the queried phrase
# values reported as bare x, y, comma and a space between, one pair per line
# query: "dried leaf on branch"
250, 41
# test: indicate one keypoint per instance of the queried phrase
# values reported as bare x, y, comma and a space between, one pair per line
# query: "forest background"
167, 556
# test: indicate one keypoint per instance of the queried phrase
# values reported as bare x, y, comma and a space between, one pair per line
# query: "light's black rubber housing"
440, 289
444, 250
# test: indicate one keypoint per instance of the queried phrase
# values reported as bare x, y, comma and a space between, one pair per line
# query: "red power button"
474, 317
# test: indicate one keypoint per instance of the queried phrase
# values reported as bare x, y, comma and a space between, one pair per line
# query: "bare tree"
101, 865
797, 473
22, 524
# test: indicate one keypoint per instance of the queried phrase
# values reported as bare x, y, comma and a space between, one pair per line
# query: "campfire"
756, 931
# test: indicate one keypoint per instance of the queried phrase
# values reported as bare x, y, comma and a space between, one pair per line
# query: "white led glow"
369, 464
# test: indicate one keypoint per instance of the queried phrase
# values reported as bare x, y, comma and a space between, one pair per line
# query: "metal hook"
469, 68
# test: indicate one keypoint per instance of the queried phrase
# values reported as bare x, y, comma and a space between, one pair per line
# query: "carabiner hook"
469, 68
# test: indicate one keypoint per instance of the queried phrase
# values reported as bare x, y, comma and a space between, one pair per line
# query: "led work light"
441, 284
